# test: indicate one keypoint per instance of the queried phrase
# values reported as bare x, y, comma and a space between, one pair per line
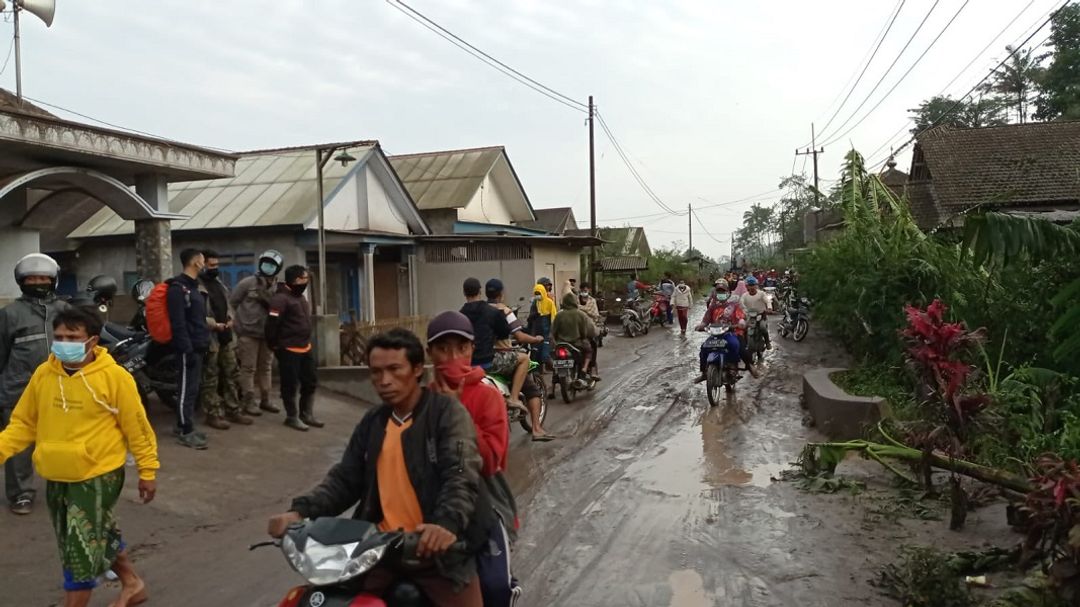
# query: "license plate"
562, 363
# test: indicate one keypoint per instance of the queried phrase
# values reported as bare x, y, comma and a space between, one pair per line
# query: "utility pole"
690, 226
592, 198
813, 150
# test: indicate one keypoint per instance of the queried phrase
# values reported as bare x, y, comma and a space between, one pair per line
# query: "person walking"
667, 289
190, 341
250, 301
288, 334
84, 412
682, 299
217, 393
25, 338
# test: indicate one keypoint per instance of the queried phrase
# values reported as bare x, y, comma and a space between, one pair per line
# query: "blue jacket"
187, 315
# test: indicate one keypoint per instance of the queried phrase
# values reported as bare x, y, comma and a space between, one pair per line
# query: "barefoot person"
83, 411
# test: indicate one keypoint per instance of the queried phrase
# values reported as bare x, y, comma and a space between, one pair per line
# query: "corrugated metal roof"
273, 188
623, 264
445, 180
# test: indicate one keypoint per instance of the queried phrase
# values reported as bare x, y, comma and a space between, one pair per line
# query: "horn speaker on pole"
42, 9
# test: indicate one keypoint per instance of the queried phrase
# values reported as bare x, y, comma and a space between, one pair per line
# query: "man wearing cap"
509, 362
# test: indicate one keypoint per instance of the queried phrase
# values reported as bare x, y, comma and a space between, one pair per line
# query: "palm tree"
1015, 80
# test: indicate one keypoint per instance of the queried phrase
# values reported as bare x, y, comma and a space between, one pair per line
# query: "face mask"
211, 273
455, 371
37, 291
298, 289
70, 351
268, 269
722, 297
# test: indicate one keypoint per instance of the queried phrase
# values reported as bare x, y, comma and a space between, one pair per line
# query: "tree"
798, 198
1058, 85
942, 109
1015, 81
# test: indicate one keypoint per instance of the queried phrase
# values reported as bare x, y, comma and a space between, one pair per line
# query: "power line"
887, 70
705, 229
902, 77
713, 205
461, 43
8, 58
880, 40
633, 171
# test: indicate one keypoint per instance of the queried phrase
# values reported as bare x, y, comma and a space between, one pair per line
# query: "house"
482, 226
893, 178
271, 203
1028, 169
552, 221
624, 250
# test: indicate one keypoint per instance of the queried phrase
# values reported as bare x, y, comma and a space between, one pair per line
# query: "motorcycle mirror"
103, 308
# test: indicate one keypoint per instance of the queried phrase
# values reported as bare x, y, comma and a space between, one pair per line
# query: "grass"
881, 380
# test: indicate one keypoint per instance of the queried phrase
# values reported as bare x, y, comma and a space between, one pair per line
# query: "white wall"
343, 210
439, 284
487, 206
363, 203
557, 263
382, 215
15, 242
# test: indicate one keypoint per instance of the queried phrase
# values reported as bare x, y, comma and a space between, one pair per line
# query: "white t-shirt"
755, 304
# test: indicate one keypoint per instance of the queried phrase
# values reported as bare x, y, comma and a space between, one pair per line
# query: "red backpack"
157, 313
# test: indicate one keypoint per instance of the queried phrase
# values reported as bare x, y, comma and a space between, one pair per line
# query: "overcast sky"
709, 98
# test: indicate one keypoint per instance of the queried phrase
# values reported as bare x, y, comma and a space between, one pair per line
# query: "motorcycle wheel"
567, 390
645, 329
526, 421
628, 330
167, 398
801, 329
712, 385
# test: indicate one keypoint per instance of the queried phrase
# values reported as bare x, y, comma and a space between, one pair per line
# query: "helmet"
141, 289
721, 284
544, 280
36, 264
270, 263
751, 281
102, 288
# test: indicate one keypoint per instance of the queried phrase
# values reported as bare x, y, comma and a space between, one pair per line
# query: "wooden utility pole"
813, 150
592, 198
690, 226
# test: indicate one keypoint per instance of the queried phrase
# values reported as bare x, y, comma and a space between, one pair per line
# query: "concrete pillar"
153, 237
15, 242
327, 340
367, 292
414, 299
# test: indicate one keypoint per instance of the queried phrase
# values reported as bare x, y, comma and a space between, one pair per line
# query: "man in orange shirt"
288, 334
414, 429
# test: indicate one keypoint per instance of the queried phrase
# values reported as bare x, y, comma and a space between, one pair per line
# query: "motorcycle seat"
114, 333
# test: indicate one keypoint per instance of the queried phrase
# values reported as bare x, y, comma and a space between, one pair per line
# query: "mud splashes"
688, 589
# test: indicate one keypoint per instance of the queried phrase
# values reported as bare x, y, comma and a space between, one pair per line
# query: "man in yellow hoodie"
83, 411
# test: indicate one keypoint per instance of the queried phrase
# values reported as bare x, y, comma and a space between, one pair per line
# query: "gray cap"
450, 323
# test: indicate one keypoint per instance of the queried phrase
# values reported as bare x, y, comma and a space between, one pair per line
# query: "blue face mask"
268, 269
70, 351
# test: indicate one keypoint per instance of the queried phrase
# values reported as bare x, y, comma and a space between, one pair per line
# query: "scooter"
796, 320
568, 375
633, 322
658, 311
721, 365
333, 555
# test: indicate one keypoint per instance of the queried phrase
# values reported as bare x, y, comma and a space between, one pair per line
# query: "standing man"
682, 299
667, 287
411, 464
25, 338
288, 334
80, 402
218, 392
251, 301
190, 341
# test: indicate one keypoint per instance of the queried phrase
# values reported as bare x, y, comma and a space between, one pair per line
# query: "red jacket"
488, 411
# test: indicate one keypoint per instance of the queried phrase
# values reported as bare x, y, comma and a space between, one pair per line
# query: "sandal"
24, 504
542, 438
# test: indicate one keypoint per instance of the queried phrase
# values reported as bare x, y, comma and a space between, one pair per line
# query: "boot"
217, 423
237, 417
269, 407
307, 411
296, 424
251, 408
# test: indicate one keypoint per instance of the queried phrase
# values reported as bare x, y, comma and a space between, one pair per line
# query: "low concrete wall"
837, 414
354, 382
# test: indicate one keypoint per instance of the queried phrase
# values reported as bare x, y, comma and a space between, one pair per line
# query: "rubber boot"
307, 411
269, 407
251, 408
291, 418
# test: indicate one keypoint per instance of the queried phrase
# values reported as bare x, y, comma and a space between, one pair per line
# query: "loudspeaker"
42, 9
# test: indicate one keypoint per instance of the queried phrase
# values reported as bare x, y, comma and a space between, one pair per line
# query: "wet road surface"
650, 498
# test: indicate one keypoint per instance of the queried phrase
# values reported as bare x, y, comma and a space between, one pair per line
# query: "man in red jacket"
450, 339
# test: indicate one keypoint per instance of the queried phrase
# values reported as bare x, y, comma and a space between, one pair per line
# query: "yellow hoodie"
84, 424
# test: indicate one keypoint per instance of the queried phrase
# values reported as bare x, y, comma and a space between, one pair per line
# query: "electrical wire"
877, 47
633, 171
8, 58
925, 18
902, 77
705, 229
461, 43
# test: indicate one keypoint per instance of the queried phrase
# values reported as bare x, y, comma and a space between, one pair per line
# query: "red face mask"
458, 371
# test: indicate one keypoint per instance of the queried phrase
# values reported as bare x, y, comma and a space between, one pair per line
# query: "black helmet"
270, 263
36, 264
544, 280
141, 289
102, 288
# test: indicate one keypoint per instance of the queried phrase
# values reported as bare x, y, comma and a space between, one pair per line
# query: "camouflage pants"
218, 390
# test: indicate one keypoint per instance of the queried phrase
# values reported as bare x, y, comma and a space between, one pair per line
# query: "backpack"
157, 312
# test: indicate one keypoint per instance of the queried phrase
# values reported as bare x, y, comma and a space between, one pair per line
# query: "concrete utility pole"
812, 150
592, 198
690, 226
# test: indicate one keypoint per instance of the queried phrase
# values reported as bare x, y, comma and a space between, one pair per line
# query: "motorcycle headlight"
324, 565
717, 330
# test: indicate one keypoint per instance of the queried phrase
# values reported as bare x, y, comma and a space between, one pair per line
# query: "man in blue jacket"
190, 341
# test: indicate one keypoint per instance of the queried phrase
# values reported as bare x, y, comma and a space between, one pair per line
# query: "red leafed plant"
1052, 522
937, 348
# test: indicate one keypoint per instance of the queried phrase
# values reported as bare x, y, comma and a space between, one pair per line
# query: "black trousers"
188, 378
297, 373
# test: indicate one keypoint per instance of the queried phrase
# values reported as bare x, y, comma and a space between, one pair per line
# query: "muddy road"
650, 497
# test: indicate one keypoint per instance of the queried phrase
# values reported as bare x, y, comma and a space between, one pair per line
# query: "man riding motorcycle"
572, 326
756, 303
728, 311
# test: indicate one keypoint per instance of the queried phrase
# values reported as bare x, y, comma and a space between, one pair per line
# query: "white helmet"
36, 264
270, 263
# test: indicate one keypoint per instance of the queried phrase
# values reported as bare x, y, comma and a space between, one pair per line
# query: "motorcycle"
755, 338
333, 555
659, 310
514, 414
721, 365
633, 321
568, 375
796, 320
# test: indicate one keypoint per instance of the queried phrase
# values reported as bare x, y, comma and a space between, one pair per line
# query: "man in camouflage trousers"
218, 389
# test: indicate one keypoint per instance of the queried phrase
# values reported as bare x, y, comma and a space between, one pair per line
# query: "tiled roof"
552, 221
1010, 166
623, 264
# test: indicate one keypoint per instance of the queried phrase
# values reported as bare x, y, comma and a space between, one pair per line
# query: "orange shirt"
303, 350
400, 506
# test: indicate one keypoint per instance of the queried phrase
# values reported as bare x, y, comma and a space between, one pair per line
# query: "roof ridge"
311, 147
439, 152
945, 128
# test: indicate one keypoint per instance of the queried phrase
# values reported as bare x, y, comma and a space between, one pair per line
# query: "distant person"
634, 287
587, 304
85, 414
250, 300
217, 393
288, 334
573, 327
25, 339
489, 325
667, 289
190, 341
682, 299
542, 312
513, 364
